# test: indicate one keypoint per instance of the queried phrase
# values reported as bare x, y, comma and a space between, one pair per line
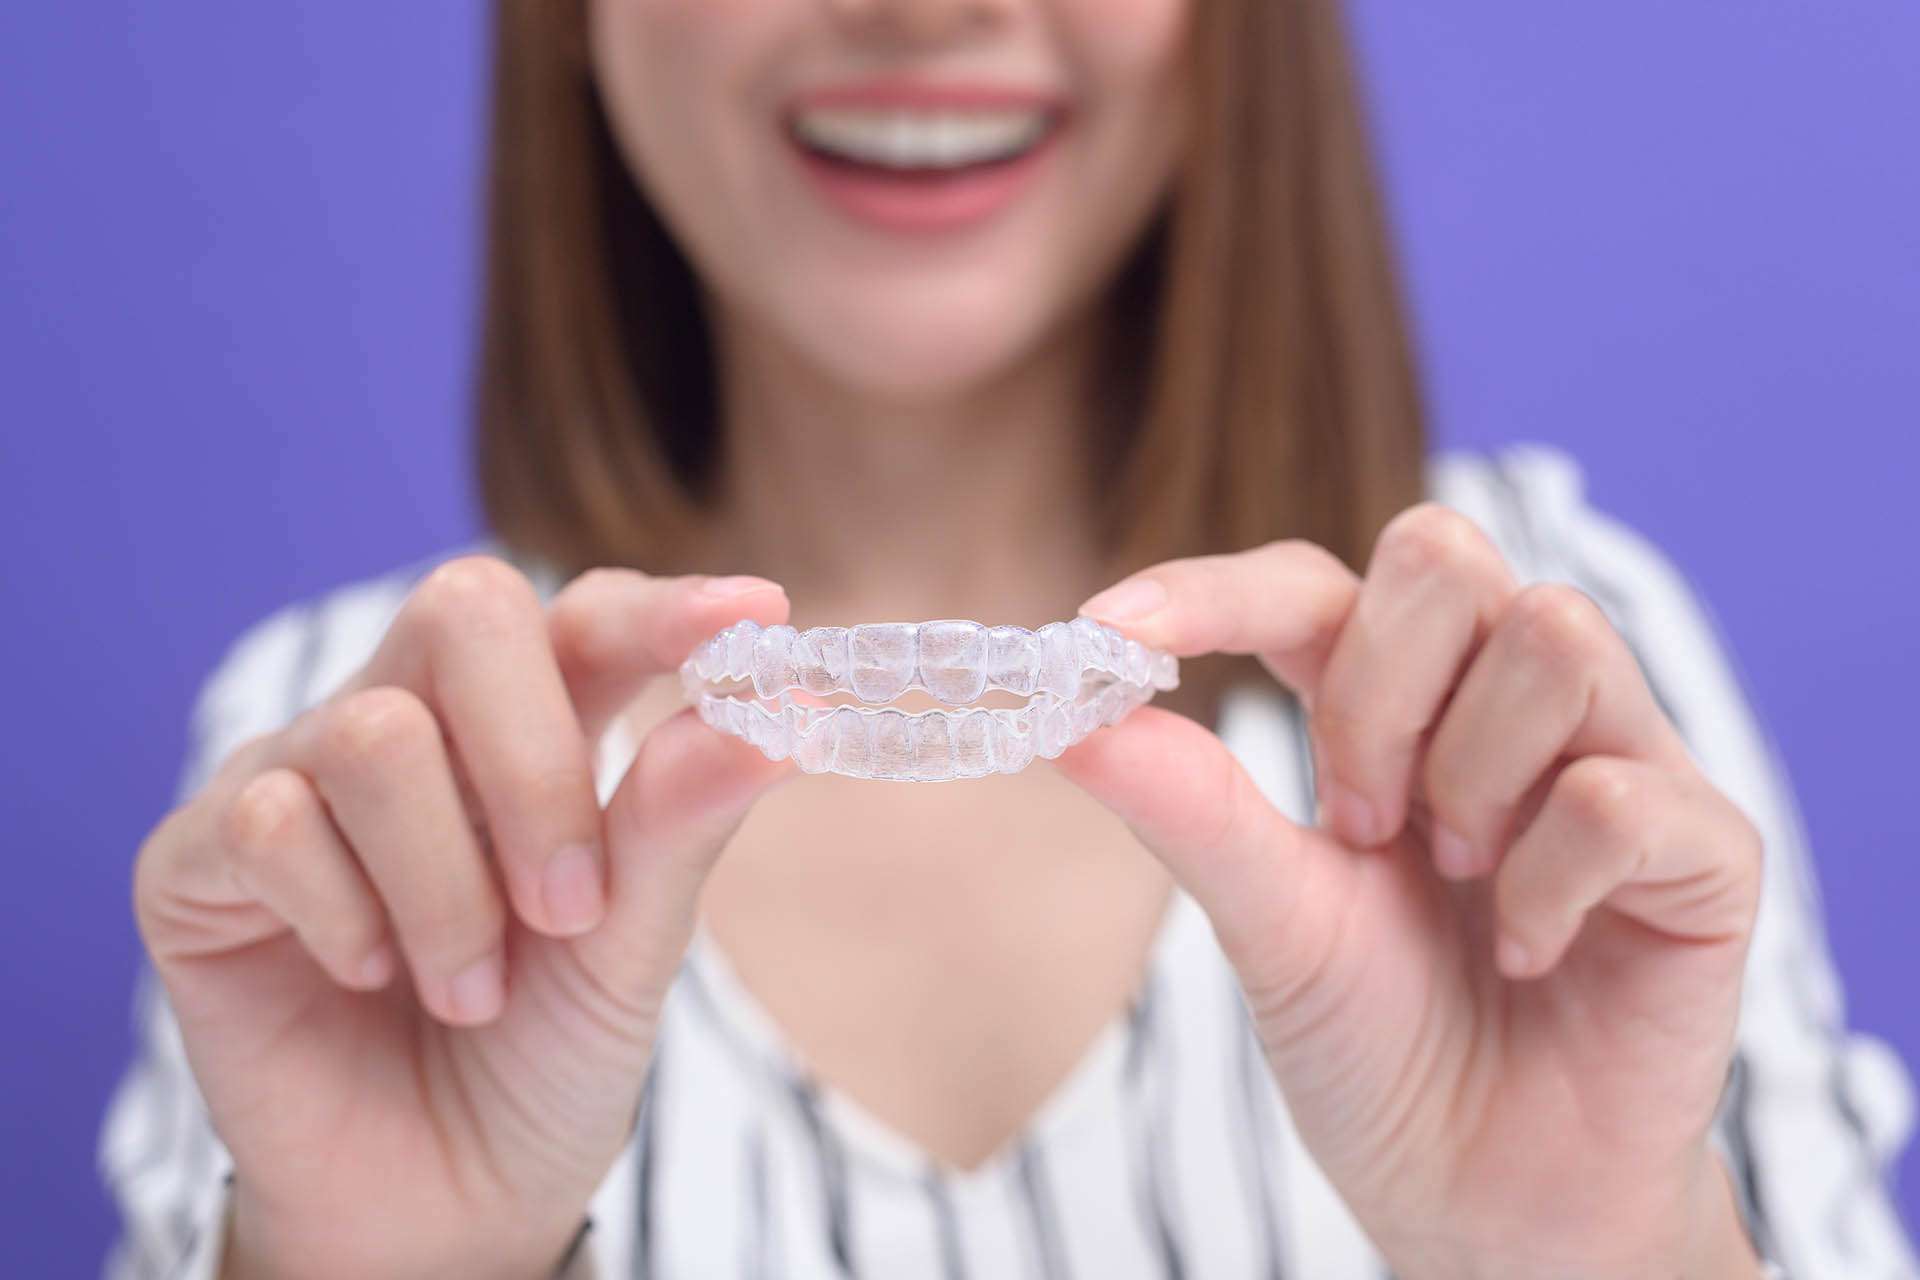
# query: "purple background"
236, 282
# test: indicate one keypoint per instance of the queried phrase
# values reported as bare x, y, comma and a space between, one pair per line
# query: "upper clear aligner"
1077, 676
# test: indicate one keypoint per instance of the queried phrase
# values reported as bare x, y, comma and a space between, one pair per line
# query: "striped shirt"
1168, 1151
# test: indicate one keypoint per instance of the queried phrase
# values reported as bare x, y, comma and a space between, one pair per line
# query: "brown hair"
1259, 370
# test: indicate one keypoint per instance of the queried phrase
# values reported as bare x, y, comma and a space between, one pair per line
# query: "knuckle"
1600, 795
474, 591
1429, 537
577, 619
249, 753
1558, 623
603, 581
1298, 548
152, 863
1746, 853
377, 729
259, 819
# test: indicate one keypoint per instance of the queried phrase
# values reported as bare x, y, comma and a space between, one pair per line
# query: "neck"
973, 504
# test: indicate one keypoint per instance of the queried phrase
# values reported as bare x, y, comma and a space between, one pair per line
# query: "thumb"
1271, 888
687, 791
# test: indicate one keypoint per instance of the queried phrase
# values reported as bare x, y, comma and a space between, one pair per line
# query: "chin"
914, 372
930, 346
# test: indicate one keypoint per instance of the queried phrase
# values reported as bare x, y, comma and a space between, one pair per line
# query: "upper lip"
905, 93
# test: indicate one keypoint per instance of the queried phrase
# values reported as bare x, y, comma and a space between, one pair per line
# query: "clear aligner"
1075, 675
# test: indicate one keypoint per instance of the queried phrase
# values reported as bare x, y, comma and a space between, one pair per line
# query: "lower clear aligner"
1077, 676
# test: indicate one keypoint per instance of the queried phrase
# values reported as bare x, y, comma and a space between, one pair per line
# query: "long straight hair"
1258, 377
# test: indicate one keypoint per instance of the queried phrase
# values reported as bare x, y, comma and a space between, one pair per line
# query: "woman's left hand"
1498, 985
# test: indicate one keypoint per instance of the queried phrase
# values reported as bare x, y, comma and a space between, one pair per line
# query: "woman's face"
931, 261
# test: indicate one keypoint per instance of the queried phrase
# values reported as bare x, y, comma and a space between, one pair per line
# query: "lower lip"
924, 201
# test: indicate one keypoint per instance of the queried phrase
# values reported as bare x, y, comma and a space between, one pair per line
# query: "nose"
919, 20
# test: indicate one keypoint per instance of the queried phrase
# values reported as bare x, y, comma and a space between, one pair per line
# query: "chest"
942, 960
911, 1039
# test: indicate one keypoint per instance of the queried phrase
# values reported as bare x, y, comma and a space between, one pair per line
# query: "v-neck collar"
1252, 723
865, 1135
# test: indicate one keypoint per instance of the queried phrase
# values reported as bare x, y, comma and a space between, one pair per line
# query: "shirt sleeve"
1813, 1114
163, 1164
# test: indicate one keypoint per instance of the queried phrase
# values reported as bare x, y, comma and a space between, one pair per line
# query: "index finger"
524, 689
1283, 602
614, 629
471, 642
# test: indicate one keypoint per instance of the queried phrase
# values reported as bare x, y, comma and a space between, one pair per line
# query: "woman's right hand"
417, 969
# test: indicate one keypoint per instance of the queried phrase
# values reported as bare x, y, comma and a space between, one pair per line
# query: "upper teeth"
920, 139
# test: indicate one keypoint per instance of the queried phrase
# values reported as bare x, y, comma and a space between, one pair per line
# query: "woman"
1448, 918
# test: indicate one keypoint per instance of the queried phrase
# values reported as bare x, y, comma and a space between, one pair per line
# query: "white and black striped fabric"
1168, 1152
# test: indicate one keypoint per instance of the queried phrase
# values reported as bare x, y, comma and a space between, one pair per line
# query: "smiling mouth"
919, 143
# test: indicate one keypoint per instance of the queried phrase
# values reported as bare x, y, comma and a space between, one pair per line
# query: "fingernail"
1352, 812
1512, 957
1453, 857
739, 584
377, 969
1127, 601
571, 886
479, 991
476, 993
